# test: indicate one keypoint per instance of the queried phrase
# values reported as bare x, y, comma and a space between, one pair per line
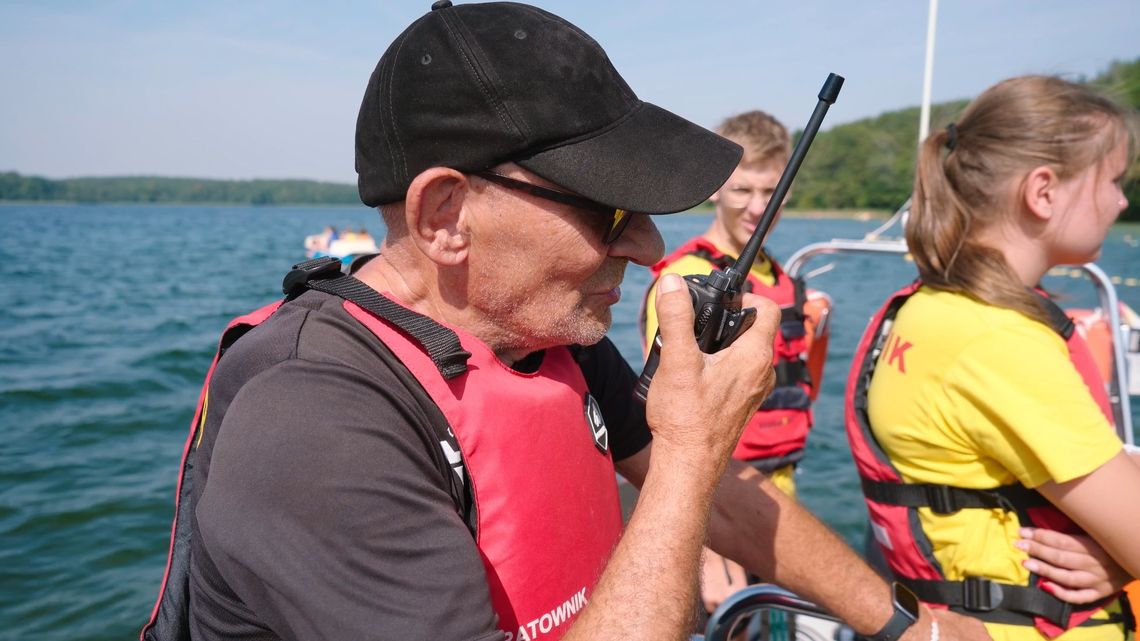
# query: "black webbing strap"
978, 595
791, 372
721, 262
769, 465
1128, 613
945, 499
1058, 319
324, 275
794, 315
792, 322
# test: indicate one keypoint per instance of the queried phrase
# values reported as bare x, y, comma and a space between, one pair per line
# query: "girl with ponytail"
966, 382
977, 183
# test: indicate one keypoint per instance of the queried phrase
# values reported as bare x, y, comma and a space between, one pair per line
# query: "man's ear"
434, 214
1039, 192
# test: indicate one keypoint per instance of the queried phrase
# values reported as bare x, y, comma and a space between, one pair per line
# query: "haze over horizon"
271, 89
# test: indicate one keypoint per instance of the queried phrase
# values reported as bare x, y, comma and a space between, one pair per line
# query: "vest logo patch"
597, 424
454, 456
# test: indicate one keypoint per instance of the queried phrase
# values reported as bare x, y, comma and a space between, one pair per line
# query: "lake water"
113, 316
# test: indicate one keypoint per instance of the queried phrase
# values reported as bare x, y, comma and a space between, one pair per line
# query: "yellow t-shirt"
784, 478
976, 396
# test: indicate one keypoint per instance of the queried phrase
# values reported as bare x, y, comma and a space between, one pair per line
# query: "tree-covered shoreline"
158, 189
862, 165
870, 163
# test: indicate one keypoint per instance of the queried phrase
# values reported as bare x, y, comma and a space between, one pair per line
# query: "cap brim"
653, 162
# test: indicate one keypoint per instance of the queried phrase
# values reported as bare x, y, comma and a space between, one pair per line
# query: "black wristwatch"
906, 606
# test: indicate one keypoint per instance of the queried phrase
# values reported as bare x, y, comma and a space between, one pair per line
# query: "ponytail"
964, 175
940, 234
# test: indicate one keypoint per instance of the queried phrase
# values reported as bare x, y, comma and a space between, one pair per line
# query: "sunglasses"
619, 218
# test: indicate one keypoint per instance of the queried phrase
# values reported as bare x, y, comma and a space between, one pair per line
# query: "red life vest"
170, 618
777, 433
544, 490
892, 503
531, 448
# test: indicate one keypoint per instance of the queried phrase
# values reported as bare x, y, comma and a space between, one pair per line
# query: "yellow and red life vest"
777, 433
892, 503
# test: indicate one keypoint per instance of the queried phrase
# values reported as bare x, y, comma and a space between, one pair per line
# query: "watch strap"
905, 614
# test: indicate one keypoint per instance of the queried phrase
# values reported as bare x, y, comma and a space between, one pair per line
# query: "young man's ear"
1039, 192
434, 214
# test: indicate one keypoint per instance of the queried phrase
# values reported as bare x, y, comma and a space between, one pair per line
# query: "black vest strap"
721, 262
1058, 319
789, 373
945, 499
323, 274
790, 397
792, 322
768, 465
980, 597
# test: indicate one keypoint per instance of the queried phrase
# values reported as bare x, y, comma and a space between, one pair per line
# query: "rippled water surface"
112, 317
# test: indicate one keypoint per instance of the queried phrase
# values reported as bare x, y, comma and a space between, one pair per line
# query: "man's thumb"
674, 309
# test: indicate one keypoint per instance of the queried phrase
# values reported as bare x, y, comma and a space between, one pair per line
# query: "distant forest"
154, 189
867, 164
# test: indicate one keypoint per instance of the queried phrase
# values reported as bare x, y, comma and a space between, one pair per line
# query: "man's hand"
699, 403
1075, 568
697, 407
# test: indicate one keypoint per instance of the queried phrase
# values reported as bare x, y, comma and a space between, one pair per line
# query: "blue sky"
261, 89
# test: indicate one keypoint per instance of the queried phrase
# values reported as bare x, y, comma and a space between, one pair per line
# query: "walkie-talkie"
717, 297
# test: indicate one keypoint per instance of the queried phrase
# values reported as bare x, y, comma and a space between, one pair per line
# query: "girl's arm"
1106, 503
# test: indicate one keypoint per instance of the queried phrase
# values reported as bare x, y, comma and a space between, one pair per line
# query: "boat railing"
756, 599
1106, 295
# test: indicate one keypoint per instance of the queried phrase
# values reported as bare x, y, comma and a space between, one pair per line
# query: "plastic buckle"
981, 595
941, 499
302, 273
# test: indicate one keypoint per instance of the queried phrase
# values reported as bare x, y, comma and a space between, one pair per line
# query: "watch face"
905, 599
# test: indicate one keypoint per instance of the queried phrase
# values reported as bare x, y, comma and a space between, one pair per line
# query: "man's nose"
641, 242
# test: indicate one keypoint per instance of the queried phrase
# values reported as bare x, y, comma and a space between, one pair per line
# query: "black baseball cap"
476, 85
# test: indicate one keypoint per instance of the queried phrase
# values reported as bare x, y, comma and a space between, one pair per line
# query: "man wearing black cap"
435, 459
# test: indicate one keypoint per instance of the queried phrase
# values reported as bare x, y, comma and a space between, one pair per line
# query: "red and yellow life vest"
777, 433
892, 503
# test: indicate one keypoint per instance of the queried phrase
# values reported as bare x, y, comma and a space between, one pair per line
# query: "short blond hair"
763, 137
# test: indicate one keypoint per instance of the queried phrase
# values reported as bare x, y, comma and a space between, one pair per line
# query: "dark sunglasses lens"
620, 222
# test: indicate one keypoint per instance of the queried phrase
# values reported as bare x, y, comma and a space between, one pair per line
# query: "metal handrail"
753, 599
1106, 294
1117, 386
